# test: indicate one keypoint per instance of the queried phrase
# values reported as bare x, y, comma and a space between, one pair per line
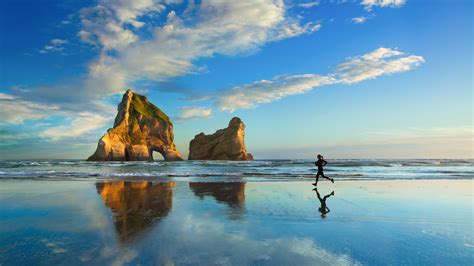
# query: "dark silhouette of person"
324, 208
320, 163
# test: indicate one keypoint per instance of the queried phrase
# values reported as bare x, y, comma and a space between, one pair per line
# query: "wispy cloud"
265, 91
369, 4
16, 111
382, 61
309, 4
359, 20
81, 123
55, 45
193, 113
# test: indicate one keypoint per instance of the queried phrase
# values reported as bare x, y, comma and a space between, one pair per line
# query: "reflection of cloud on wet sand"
61, 200
194, 240
190, 234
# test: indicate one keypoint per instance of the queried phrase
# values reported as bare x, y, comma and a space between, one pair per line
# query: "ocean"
237, 171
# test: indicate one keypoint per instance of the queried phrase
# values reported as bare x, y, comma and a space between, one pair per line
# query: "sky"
347, 79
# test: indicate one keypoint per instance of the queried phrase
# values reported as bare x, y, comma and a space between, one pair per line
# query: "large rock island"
139, 129
224, 144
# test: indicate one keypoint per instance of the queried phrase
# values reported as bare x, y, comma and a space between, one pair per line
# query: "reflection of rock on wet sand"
136, 205
233, 194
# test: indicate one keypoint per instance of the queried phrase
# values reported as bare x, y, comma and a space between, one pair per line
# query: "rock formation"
139, 129
224, 144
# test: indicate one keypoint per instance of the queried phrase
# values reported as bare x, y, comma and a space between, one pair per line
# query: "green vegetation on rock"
141, 104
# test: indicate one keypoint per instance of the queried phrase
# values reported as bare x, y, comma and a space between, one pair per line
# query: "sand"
270, 223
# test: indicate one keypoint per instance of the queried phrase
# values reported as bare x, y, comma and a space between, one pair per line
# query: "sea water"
257, 170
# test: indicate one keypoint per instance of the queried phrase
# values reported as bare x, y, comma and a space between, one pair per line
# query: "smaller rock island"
224, 144
139, 129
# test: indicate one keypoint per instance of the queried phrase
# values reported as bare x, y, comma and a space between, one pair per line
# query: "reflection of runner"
320, 163
324, 208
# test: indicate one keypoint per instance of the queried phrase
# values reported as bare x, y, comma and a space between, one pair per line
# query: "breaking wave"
241, 170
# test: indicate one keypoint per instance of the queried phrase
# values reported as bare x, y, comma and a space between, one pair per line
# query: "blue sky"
348, 79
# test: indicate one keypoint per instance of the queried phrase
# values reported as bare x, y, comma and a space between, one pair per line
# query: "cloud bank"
215, 27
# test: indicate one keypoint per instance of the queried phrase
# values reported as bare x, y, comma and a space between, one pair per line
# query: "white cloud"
369, 4
4, 96
170, 48
382, 61
194, 112
55, 45
265, 91
86, 37
81, 123
16, 111
216, 27
295, 29
359, 20
309, 4
107, 23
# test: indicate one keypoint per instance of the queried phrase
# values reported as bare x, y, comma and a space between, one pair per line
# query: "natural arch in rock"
157, 156
139, 129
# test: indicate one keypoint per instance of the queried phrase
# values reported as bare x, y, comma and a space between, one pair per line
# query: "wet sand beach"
236, 223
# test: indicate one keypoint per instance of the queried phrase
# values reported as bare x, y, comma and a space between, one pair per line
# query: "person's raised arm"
324, 162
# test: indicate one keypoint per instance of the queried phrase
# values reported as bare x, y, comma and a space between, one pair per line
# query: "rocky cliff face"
139, 129
224, 144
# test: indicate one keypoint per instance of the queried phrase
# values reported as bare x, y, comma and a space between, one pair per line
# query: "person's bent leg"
327, 196
328, 178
